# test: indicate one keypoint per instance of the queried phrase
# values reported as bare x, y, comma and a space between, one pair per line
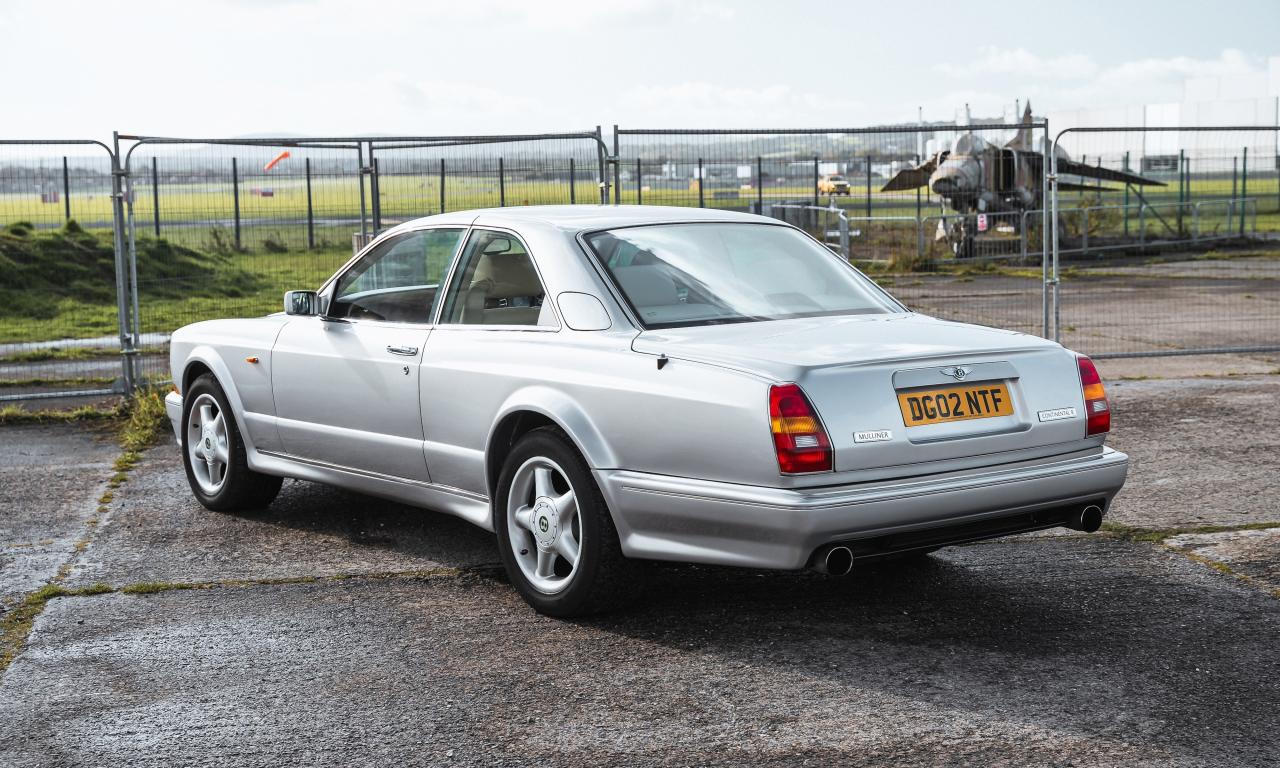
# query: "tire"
235, 487
600, 578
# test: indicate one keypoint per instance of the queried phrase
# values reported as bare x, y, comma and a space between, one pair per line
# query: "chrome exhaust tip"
835, 561
1088, 519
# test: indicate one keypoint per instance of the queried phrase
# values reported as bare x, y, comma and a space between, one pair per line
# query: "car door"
489, 339
346, 382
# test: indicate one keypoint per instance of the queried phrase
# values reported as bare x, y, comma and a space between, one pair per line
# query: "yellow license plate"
970, 401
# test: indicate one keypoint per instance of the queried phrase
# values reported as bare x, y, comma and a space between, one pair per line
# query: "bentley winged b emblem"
957, 372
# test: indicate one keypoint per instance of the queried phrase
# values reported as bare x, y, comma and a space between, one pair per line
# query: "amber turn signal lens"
1097, 410
799, 439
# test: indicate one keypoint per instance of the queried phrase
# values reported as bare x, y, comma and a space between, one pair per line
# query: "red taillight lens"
798, 437
1096, 409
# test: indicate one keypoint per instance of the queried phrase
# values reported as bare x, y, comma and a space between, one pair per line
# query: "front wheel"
214, 456
555, 536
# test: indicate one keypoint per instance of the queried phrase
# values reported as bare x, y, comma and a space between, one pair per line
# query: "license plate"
970, 401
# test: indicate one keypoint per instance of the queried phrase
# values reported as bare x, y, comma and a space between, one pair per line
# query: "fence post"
1231, 206
311, 218
1126, 195
918, 196
375, 192
235, 198
155, 195
66, 188
1182, 198
1084, 231
639, 183
442, 181
617, 170
760, 184
702, 201
603, 170
1022, 233
573, 183
1049, 237
502, 185
815, 181
118, 242
869, 190
1244, 185
1187, 169
360, 170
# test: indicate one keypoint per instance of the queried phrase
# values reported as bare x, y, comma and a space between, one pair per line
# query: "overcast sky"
316, 67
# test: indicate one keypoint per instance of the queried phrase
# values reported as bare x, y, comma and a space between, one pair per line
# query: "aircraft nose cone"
947, 185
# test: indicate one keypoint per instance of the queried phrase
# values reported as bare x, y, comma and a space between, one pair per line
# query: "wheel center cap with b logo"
546, 523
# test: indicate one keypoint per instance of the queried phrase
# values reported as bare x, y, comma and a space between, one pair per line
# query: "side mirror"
301, 303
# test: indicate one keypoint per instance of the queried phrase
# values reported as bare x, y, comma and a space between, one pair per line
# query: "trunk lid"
862, 372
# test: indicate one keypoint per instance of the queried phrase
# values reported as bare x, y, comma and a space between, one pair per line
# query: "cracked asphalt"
339, 630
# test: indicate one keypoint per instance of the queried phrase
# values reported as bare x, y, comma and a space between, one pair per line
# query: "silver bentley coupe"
604, 385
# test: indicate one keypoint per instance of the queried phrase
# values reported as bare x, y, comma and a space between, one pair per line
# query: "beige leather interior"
502, 276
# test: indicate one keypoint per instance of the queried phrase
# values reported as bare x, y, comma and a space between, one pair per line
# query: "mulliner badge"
873, 436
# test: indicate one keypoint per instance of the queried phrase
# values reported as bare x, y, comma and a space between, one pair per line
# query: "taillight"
798, 437
1096, 409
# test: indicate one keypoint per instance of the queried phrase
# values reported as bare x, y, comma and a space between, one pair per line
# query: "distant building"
1206, 101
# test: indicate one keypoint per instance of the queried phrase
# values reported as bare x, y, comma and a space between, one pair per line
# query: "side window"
399, 280
496, 284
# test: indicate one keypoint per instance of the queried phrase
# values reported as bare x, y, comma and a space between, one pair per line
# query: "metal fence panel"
221, 228
1141, 268
842, 186
60, 302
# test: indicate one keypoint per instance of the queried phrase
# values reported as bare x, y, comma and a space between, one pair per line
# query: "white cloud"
992, 60
703, 104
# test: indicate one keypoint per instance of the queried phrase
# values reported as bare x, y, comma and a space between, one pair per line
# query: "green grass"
65, 287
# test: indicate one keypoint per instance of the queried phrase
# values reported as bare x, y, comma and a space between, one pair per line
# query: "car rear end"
879, 460
873, 431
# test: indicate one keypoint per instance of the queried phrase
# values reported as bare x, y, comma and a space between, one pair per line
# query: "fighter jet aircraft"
976, 176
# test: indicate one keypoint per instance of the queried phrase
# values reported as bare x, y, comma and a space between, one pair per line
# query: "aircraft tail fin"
1022, 139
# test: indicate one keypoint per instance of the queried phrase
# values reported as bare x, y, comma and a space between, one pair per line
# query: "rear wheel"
555, 536
213, 453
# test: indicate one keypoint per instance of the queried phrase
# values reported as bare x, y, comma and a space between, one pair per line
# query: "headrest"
647, 286
505, 275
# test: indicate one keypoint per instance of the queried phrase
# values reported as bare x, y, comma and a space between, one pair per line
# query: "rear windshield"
704, 274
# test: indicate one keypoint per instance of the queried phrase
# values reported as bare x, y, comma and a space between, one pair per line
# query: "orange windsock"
275, 160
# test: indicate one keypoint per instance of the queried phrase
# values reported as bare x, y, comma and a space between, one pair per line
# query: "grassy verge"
13, 414
1159, 535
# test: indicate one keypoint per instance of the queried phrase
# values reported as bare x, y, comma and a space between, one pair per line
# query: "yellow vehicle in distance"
833, 184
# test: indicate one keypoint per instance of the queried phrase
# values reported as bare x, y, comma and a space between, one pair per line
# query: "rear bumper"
671, 518
173, 406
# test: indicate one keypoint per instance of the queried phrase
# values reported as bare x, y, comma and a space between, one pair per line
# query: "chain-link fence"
107, 257
61, 297
1144, 274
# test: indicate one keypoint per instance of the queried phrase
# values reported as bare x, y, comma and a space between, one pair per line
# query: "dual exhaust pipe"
837, 559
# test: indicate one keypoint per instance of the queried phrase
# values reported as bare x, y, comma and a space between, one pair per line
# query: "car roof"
578, 218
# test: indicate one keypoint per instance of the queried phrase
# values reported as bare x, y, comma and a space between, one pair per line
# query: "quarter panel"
685, 419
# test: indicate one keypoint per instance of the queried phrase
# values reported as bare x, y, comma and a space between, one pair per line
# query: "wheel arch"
205, 359
536, 407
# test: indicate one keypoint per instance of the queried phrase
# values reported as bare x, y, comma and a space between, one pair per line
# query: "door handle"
406, 351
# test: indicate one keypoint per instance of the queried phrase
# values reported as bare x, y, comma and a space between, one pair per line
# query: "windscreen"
704, 274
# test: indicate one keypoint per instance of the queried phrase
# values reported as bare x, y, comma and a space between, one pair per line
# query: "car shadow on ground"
1093, 636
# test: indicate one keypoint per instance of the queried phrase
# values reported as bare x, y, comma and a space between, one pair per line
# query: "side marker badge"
873, 436
1057, 414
